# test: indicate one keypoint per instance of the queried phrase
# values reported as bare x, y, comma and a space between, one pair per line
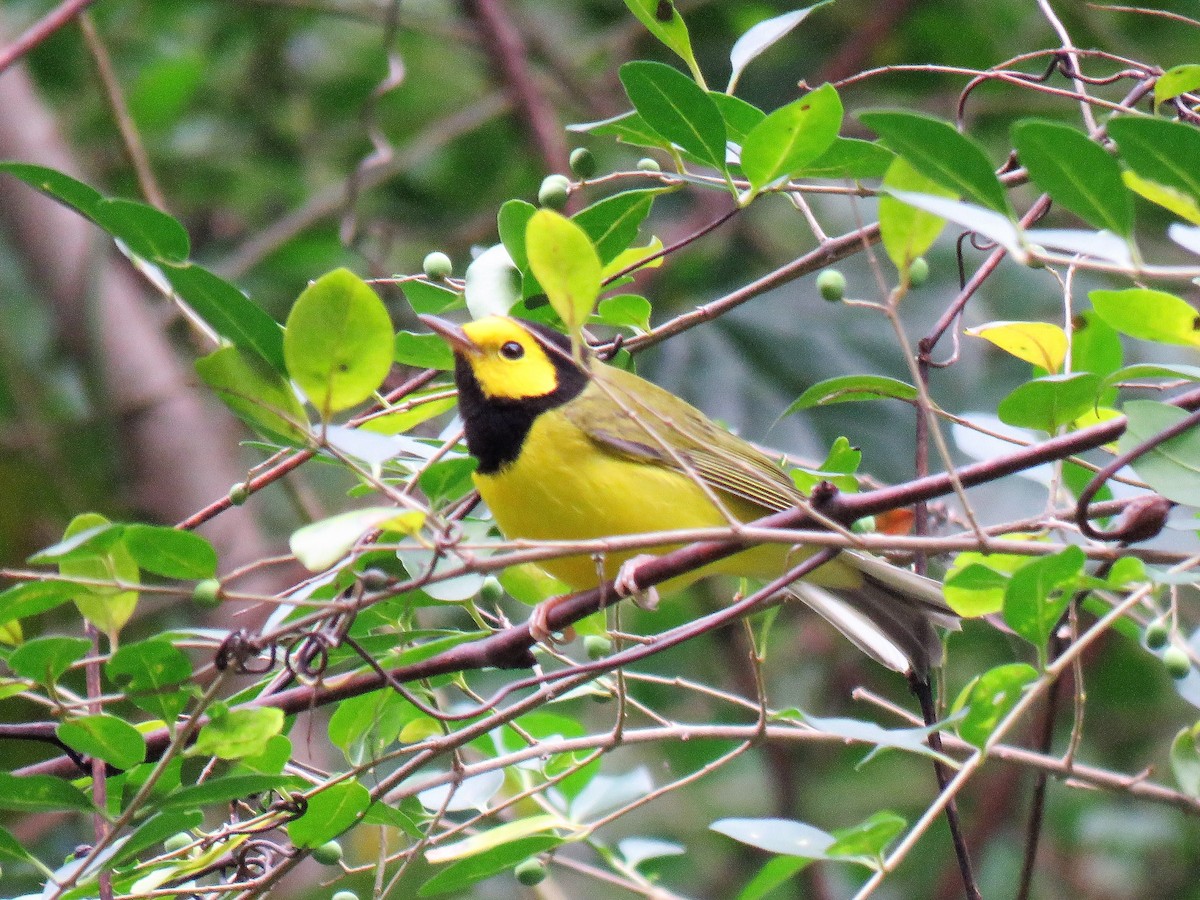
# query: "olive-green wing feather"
631, 417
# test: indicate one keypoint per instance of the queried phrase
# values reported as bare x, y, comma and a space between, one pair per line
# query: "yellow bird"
577, 450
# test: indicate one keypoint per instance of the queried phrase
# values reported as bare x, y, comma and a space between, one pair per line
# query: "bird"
571, 448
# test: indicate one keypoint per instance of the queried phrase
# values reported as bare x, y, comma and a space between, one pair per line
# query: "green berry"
597, 646
553, 192
1157, 634
491, 591
530, 872
344, 895
437, 266
328, 854
177, 842
583, 164
1177, 662
832, 285
239, 493
648, 164
918, 272
207, 593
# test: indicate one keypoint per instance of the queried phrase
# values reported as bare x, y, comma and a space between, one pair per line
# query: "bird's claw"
539, 626
627, 586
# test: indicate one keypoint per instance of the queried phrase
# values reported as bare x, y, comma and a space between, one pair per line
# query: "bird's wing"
644, 417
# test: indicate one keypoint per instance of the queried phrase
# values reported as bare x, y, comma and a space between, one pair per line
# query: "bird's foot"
627, 586
539, 624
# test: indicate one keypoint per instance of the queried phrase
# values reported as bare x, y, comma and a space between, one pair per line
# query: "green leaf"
256, 393
423, 351
907, 231
33, 597
740, 117
777, 871
628, 128
153, 672
625, 311
170, 552
1096, 347
1038, 593
108, 608
1149, 315
564, 260
224, 789
364, 727
40, 793
466, 872
1185, 760
612, 223
1173, 467
989, 698
940, 152
105, 737
430, 299
842, 458
329, 813
238, 733
11, 849
1175, 81
761, 37
1142, 371
1076, 172
54, 184
1050, 402
851, 388
976, 582
338, 342
1178, 202
1161, 151
447, 479
229, 312
677, 108
777, 836
148, 232
511, 221
664, 22
45, 659
850, 158
868, 838
157, 829
791, 137
320, 544
82, 543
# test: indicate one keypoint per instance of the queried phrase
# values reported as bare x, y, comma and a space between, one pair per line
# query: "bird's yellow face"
509, 363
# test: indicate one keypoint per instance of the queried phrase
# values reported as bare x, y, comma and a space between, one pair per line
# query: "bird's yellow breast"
563, 486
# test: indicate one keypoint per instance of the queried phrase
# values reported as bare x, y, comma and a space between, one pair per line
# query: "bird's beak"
452, 334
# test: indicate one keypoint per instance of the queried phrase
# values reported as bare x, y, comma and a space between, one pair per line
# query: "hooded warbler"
575, 449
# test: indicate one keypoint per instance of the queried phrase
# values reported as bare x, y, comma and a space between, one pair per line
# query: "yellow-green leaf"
1039, 343
565, 262
1183, 205
108, 608
907, 231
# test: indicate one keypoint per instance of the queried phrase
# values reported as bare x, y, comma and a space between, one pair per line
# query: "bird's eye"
512, 350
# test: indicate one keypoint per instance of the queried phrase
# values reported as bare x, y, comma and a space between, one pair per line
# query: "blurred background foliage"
256, 116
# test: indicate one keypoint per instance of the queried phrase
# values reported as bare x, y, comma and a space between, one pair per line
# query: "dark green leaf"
106, 737
849, 158
612, 223
423, 351
466, 872
939, 151
1173, 467
256, 393
170, 552
1051, 401
224, 789
1076, 172
230, 313
40, 793
740, 117
64, 188
666, 24
990, 697
848, 388
32, 598
338, 342
150, 233
790, 138
430, 299
153, 672
157, 829
677, 108
1162, 151
45, 659
329, 813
